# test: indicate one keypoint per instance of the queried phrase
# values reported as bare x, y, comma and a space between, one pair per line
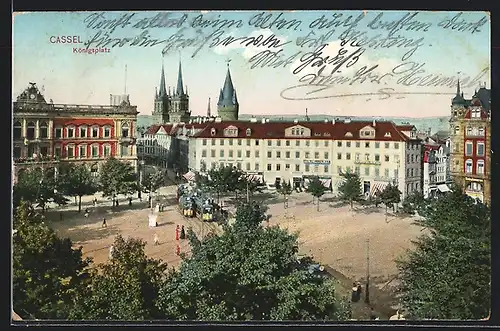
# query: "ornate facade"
470, 133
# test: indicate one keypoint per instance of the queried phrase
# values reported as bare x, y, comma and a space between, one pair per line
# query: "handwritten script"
303, 44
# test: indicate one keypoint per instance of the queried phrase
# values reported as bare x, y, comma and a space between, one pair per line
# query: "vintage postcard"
251, 165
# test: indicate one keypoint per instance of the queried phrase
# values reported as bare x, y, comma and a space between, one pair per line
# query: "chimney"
263, 120
374, 122
347, 120
295, 121
333, 121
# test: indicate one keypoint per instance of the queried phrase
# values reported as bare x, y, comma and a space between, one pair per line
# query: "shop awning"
255, 178
378, 187
189, 176
443, 188
326, 182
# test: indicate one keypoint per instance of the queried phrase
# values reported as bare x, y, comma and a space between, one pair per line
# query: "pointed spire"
156, 92
208, 109
180, 84
227, 96
458, 87
163, 89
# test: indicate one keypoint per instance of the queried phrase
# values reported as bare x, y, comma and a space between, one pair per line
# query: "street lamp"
141, 170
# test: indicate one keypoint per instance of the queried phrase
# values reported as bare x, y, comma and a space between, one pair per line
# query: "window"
348, 156
480, 167
386, 145
326, 143
204, 153
278, 154
269, 167
306, 155
44, 130
125, 150
256, 166
204, 142
316, 155
316, 143
269, 154
367, 144
82, 151
95, 150
287, 155
357, 170
468, 148
481, 131
326, 155
212, 153
230, 142
339, 144
386, 172
95, 132
70, 151
480, 148
221, 142
411, 172
339, 170
358, 155
16, 152
468, 166
239, 154
396, 158
348, 144
256, 143
107, 150
248, 166
297, 167
358, 144
306, 168
269, 143
386, 158
238, 165
367, 171
287, 142
125, 130
367, 157
377, 157
107, 132
247, 153
297, 155
230, 153
325, 168
307, 143
18, 129
83, 132
213, 142
248, 132
396, 145
278, 142
257, 153
339, 156
248, 142
30, 132
412, 158
287, 166
396, 173
377, 145
57, 151
221, 153
469, 131
377, 172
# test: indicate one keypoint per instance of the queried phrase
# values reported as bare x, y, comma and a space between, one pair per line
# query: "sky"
454, 45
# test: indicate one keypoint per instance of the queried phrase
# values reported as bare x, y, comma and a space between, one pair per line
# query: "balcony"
127, 140
367, 162
36, 160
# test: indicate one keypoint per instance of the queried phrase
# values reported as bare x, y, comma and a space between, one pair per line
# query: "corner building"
46, 135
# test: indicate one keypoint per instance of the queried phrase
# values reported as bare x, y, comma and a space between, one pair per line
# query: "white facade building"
436, 174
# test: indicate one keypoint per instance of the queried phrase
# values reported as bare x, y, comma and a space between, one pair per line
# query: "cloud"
250, 50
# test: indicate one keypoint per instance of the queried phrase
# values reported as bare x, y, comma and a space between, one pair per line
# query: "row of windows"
472, 131
43, 130
469, 166
412, 158
297, 155
81, 150
83, 131
307, 143
412, 172
469, 148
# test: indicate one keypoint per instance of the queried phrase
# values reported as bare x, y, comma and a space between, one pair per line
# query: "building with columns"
470, 135
47, 134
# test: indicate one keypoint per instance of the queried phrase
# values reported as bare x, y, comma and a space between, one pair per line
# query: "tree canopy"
223, 179
117, 177
285, 190
448, 274
350, 188
45, 268
153, 181
125, 288
77, 181
316, 189
248, 273
390, 196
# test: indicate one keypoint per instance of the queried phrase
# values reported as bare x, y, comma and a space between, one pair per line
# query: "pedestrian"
104, 225
129, 201
354, 294
177, 232
360, 288
86, 213
156, 241
95, 202
183, 233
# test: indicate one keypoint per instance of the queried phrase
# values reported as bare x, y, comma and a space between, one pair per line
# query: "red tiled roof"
319, 130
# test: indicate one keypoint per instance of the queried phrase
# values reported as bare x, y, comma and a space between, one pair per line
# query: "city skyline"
79, 78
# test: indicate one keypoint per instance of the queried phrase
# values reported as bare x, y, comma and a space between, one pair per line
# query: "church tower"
162, 102
457, 133
180, 101
227, 106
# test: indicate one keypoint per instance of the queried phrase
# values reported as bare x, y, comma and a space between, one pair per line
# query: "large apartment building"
47, 134
380, 152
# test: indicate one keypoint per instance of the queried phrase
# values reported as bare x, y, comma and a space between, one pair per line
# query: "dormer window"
295, 132
387, 134
326, 134
348, 134
317, 134
212, 132
249, 132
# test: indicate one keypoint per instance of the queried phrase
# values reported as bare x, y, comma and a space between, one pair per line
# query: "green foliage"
153, 181
126, 288
448, 274
390, 195
45, 268
285, 190
414, 202
247, 275
316, 189
77, 181
350, 188
117, 178
38, 188
224, 179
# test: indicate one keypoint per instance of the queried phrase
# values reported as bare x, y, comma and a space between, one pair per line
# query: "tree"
448, 274
316, 189
285, 190
224, 179
414, 202
126, 288
153, 181
117, 178
45, 268
389, 196
37, 187
350, 188
248, 273
77, 181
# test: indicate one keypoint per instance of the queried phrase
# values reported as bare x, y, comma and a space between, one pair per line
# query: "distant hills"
434, 124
